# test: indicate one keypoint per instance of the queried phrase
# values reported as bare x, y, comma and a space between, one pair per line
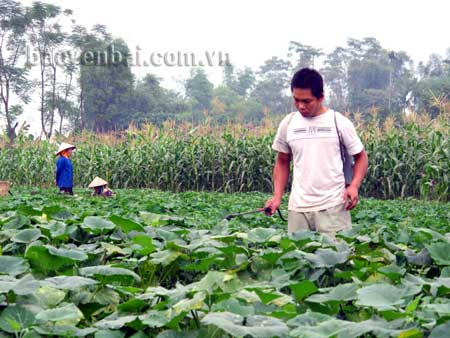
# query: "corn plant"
405, 160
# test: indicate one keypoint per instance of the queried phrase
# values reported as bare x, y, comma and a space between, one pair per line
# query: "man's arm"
359, 171
280, 178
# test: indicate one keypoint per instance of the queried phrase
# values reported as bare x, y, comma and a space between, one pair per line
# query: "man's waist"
308, 207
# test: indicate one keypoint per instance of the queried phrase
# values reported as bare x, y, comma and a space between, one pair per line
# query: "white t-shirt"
318, 182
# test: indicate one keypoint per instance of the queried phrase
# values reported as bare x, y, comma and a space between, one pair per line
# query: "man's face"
306, 103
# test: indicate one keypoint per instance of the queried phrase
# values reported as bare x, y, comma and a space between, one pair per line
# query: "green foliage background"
408, 160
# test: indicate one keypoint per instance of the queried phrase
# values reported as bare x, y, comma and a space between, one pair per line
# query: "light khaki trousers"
327, 221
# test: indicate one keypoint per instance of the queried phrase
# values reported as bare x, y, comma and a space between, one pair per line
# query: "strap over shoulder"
347, 159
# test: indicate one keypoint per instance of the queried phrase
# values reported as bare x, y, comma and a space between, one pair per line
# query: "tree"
368, 84
377, 77
64, 92
241, 81
153, 103
432, 91
229, 77
82, 42
46, 35
245, 81
13, 75
107, 83
306, 55
335, 73
271, 90
401, 80
199, 90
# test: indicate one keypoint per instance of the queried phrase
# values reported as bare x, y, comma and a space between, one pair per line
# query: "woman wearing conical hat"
64, 168
100, 187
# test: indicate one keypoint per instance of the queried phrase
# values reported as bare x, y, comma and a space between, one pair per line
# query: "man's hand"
350, 197
359, 171
274, 203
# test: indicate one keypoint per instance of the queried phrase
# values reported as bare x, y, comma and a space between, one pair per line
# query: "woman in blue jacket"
64, 168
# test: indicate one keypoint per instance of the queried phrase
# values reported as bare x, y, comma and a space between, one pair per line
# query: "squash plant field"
155, 264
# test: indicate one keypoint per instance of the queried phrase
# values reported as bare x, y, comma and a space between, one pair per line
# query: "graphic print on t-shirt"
312, 131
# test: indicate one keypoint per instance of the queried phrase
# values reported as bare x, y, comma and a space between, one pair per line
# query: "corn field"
407, 160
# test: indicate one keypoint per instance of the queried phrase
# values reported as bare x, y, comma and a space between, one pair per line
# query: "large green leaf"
309, 318
13, 266
114, 321
58, 230
126, 225
132, 305
238, 326
154, 318
15, 318
213, 281
6, 283
432, 234
165, 257
69, 282
440, 331
106, 296
157, 220
317, 325
234, 306
342, 292
189, 304
303, 289
393, 271
110, 273
26, 236
25, 286
326, 257
272, 255
380, 296
28, 210
330, 328
30, 334
64, 330
72, 254
63, 315
140, 334
48, 297
57, 212
261, 235
440, 252
266, 296
143, 244
442, 309
16, 222
202, 332
109, 334
40, 259
97, 225
49, 258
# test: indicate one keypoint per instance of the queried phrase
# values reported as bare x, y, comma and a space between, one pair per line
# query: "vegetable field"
156, 264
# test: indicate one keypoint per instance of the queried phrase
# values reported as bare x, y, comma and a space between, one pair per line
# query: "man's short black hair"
307, 78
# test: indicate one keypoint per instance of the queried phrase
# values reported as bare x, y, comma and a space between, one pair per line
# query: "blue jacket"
64, 172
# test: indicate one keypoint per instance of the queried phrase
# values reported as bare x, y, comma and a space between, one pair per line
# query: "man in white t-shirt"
319, 199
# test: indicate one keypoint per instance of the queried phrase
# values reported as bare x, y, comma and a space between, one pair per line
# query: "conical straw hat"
64, 146
97, 182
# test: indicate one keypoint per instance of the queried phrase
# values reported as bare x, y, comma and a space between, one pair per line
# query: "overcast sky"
252, 32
